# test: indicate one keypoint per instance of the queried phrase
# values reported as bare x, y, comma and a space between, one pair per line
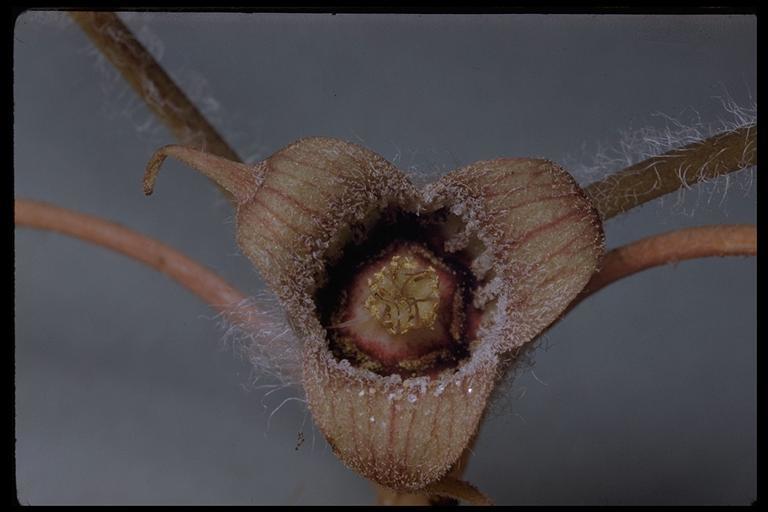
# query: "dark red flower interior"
425, 347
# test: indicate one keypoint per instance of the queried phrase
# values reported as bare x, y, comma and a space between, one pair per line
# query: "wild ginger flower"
404, 300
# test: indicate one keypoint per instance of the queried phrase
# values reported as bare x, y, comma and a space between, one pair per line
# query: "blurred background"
127, 391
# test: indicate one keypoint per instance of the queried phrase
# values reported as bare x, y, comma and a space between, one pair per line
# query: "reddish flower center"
401, 303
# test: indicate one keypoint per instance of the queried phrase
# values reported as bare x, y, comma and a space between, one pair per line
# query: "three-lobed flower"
406, 301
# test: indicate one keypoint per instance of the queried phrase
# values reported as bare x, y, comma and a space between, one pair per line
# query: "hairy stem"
680, 245
642, 182
145, 75
204, 283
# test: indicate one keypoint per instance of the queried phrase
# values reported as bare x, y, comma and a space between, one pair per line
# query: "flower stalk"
670, 248
204, 283
645, 181
151, 82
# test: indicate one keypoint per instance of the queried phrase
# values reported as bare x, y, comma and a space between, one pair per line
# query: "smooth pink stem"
204, 283
684, 244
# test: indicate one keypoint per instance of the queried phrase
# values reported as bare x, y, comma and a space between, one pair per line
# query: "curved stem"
151, 82
724, 153
680, 245
204, 283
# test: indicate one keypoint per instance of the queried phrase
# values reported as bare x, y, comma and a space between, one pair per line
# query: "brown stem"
207, 285
680, 245
151, 82
721, 154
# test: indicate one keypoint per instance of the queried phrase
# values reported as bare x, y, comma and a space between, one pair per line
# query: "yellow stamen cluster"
404, 295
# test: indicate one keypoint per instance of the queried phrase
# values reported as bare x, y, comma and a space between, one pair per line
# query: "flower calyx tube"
405, 301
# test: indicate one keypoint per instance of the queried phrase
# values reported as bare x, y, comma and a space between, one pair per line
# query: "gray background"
126, 391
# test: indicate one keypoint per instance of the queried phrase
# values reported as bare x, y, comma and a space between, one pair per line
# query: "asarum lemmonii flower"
406, 301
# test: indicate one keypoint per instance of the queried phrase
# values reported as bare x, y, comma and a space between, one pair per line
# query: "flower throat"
395, 301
